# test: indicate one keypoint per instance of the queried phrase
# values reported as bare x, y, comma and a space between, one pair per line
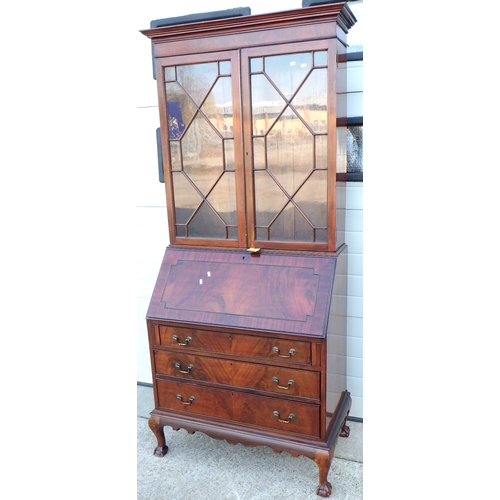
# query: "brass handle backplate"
291, 352
290, 383
178, 367
191, 399
277, 415
188, 339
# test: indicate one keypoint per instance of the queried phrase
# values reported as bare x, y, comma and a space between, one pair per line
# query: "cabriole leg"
323, 460
157, 427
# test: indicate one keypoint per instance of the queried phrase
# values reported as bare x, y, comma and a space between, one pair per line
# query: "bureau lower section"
254, 388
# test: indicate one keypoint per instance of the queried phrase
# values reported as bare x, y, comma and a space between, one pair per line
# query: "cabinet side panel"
336, 338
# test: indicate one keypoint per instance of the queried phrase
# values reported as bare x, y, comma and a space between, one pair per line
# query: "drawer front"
284, 381
281, 414
291, 351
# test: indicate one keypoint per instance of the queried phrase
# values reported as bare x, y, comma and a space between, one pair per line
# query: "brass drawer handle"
189, 368
191, 399
290, 383
188, 339
277, 415
291, 352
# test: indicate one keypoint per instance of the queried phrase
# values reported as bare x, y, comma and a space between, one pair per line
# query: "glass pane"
267, 104
205, 224
311, 198
170, 74
224, 67
290, 225
197, 79
219, 107
186, 198
321, 142
321, 235
180, 110
290, 151
321, 58
288, 71
269, 198
202, 154
232, 233
175, 155
229, 154
310, 101
262, 234
223, 198
259, 152
256, 65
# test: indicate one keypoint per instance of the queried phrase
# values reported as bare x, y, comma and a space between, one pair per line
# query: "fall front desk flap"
267, 292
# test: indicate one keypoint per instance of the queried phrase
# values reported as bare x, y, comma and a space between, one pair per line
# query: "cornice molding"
338, 13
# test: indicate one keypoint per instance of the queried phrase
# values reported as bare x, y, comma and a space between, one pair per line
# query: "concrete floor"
201, 468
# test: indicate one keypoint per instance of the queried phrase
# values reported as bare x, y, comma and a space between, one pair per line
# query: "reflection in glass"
169, 74
267, 104
218, 107
269, 198
180, 110
229, 154
224, 67
321, 145
256, 65
321, 58
290, 146
311, 198
202, 154
206, 224
259, 152
290, 151
201, 139
291, 225
310, 101
175, 155
197, 79
288, 71
223, 198
186, 198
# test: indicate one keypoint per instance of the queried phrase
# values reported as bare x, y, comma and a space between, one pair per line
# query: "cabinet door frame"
328, 45
161, 63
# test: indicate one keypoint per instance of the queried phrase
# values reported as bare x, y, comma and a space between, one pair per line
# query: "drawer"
291, 351
285, 381
275, 413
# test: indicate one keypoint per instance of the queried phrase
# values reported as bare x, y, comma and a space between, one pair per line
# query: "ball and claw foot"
324, 490
160, 451
345, 431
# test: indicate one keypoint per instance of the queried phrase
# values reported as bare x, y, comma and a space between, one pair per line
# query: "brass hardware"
178, 367
188, 339
290, 383
191, 399
291, 352
277, 415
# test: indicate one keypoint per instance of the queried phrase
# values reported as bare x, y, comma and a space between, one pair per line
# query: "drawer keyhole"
291, 352
290, 383
188, 339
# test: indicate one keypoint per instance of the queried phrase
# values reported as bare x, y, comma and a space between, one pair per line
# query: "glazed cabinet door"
200, 116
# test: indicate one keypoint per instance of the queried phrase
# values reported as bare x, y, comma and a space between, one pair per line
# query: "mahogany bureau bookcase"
247, 321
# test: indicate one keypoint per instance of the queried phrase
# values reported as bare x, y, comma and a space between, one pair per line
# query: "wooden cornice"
336, 12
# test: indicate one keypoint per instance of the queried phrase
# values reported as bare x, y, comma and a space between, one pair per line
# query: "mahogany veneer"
247, 321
